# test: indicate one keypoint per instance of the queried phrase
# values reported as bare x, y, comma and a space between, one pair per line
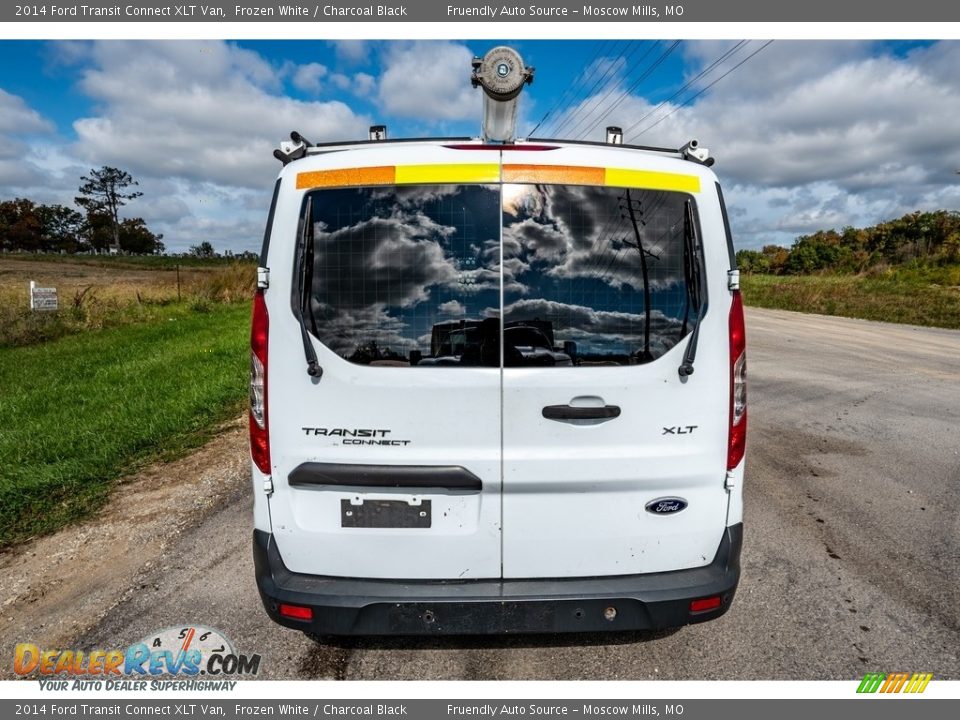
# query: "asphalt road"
851, 560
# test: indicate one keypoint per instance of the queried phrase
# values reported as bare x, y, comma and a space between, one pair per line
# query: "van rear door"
612, 463
388, 466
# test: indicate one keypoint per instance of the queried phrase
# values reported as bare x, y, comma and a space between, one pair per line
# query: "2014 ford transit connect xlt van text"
496, 387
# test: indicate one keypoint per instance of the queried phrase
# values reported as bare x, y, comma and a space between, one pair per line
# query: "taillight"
296, 612
738, 383
259, 436
704, 604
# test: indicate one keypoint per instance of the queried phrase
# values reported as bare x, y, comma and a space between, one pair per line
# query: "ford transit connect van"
496, 388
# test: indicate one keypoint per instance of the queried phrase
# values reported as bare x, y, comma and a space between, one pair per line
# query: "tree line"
926, 238
27, 226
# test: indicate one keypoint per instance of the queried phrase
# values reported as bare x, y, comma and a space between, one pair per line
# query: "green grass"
921, 296
81, 411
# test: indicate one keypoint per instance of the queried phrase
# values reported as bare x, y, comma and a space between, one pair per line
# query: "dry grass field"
98, 293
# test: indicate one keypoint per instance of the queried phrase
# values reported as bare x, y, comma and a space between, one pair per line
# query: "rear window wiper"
693, 288
298, 297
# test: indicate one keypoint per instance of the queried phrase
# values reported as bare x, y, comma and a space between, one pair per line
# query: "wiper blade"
693, 290
299, 290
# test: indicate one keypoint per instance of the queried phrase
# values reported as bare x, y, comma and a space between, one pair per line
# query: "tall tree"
20, 225
61, 228
137, 239
104, 192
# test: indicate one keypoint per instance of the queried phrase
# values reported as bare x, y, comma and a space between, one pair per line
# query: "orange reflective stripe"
384, 175
554, 174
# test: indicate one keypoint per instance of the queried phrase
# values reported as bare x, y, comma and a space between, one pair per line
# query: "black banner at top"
653, 11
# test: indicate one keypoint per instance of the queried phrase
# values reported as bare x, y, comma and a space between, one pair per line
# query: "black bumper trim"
349, 606
445, 477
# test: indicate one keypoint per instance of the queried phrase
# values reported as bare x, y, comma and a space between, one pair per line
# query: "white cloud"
364, 84
200, 111
452, 307
844, 132
16, 117
351, 52
194, 122
307, 77
429, 81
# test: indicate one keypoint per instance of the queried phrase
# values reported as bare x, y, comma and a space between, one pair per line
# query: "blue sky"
808, 135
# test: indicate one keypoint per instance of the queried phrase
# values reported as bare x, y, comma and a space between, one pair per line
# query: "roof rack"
300, 147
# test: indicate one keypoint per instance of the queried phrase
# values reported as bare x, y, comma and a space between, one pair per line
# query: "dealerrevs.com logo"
894, 682
190, 657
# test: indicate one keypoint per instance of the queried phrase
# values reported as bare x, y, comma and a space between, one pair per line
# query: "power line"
609, 87
608, 73
703, 72
580, 82
643, 76
701, 92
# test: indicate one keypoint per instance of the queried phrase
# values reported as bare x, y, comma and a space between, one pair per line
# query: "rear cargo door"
388, 466
612, 464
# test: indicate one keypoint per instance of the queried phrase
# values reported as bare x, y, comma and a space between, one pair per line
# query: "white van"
496, 388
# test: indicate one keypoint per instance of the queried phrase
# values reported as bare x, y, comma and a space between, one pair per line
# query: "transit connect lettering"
356, 436
345, 432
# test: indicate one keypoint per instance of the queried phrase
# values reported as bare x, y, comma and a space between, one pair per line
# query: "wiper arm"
693, 290
647, 356
298, 299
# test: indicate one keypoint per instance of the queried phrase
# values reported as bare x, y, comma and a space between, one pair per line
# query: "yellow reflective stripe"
924, 683
459, 173
650, 180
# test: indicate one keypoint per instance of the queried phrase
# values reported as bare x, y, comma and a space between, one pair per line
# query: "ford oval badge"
666, 505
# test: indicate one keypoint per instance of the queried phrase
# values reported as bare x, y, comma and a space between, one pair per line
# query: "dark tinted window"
575, 260
410, 275
407, 275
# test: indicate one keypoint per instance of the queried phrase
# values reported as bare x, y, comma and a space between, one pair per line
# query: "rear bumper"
349, 606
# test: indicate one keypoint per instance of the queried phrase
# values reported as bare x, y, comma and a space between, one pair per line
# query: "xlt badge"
679, 429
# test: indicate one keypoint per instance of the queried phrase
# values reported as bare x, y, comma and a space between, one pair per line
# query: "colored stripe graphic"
460, 173
918, 683
611, 177
652, 180
400, 175
490, 173
894, 682
871, 682
554, 174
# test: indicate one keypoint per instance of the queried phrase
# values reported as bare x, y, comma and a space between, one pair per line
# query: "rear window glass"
411, 275
407, 275
581, 267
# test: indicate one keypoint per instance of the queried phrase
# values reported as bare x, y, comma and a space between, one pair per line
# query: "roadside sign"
42, 298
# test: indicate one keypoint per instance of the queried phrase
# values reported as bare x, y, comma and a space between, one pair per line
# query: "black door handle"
567, 412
